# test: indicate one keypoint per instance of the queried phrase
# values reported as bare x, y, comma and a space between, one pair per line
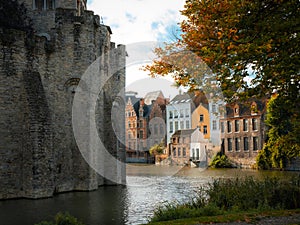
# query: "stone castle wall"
39, 74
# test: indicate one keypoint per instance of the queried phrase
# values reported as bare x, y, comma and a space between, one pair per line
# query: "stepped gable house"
40, 68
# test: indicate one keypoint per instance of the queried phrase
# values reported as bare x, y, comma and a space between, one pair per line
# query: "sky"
141, 25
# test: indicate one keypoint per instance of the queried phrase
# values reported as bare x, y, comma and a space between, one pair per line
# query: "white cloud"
138, 20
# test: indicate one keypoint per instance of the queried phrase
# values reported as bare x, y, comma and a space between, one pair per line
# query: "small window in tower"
38, 4
50, 4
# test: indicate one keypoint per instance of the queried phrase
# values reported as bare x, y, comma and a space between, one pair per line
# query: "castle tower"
39, 75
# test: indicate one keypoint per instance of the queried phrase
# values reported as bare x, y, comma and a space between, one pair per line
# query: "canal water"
148, 187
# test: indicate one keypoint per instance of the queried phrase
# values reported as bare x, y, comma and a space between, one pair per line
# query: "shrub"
62, 219
220, 161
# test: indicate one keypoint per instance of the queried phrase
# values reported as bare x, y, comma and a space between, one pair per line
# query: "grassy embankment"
238, 199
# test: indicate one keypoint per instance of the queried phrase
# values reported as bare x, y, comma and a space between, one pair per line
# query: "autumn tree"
251, 46
157, 149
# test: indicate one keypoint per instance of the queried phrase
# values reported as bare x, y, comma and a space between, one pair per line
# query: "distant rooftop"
153, 96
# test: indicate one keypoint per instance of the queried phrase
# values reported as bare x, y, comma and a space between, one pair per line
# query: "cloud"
138, 20
131, 18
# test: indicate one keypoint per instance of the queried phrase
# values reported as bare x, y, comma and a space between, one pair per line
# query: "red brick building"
243, 131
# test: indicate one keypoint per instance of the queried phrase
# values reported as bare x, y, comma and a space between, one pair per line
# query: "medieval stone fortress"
42, 59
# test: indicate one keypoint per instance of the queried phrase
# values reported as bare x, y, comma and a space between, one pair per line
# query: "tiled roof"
245, 107
153, 96
184, 132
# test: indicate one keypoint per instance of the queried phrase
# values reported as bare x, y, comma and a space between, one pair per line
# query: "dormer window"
236, 110
254, 108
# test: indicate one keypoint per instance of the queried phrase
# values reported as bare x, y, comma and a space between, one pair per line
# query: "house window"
229, 142
214, 125
183, 140
129, 124
193, 153
184, 152
181, 113
254, 124
174, 152
170, 114
213, 108
141, 134
237, 144
201, 118
205, 129
181, 125
187, 124
197, 153
141, 123
176, 114
236, 125
179, 152
171, 127
255, 143
229, 128
176, 125
245, 124
236, 110
246, 144
222, 127
187, 114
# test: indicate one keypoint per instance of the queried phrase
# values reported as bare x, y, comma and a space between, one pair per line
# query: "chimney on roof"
180, 91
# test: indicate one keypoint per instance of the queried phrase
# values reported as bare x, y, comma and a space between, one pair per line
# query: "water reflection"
104, 206
147, 188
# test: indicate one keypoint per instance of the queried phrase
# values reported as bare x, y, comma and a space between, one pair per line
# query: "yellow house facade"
200, 119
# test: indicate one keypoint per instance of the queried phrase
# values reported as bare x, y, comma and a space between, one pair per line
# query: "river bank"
235, 197
280, 217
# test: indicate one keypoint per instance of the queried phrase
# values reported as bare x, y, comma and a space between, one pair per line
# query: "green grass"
235, 197
249, 217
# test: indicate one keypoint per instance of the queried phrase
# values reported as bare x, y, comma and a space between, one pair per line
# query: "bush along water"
220, 160
235, 195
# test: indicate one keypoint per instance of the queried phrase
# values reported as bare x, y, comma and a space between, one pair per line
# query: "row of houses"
193, 128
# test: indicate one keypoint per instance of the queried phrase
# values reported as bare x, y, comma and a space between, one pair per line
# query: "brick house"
243, 131
188, 146
145, 125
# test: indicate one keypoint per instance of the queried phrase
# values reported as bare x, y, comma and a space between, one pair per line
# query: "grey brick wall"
38, 153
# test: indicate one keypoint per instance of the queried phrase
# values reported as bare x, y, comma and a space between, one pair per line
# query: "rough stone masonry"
40, 68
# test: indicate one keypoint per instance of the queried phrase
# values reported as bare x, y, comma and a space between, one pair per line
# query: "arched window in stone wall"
72, 84
43, 4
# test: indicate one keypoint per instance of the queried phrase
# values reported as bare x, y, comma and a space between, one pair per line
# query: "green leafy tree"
220, 160
283, 142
